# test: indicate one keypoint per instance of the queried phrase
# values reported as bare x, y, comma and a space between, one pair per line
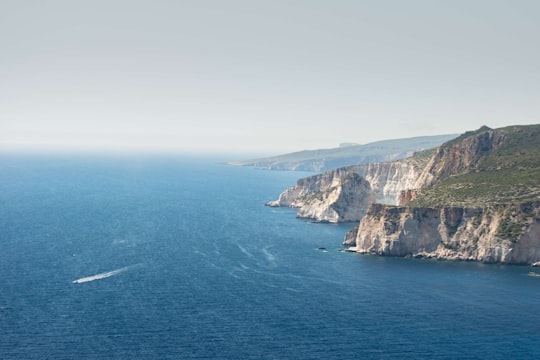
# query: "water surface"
180, 259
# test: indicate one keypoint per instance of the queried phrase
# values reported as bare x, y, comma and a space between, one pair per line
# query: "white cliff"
323, 198
348, 200
498, 234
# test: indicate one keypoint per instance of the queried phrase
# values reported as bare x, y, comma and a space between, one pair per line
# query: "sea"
176, 257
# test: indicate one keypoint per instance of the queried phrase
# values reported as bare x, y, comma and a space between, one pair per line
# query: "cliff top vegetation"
508, 173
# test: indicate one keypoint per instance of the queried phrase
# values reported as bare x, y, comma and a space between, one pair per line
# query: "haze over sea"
138, 257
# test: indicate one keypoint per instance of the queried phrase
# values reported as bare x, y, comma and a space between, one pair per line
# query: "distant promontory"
347, 154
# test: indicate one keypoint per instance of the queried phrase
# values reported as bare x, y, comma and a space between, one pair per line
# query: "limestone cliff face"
459, 156
347, 201
305, 188
335, 196
327, 197
350, 237
389, 179
498, 234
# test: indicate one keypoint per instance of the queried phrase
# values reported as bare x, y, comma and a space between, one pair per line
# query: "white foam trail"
199, 253
100, 276
293, 290
269, 256
216, 249
243, 249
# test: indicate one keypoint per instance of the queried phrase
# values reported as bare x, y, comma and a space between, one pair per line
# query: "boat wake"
100, 276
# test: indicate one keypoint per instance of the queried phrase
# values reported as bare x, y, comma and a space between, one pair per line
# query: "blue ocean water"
178, 258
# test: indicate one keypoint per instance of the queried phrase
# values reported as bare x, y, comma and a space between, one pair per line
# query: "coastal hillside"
486, 167
347, 154
476, 197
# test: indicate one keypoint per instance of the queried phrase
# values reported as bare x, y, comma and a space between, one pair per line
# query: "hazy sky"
262, 76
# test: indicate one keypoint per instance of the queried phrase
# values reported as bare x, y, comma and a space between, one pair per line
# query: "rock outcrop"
498, 234
350, 237
305, 188
389, 179
326, 197
337, 196
347, 201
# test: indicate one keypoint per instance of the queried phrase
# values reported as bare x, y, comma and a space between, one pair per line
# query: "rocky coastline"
382, 198
507, 234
